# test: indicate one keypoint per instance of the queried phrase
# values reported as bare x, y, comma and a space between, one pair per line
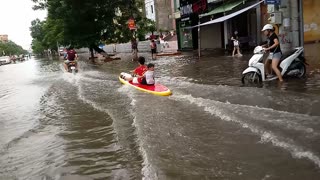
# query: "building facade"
311, 21
297, 22
150, 9
189, 11
287, 16
207, 35
161, 11
213, 26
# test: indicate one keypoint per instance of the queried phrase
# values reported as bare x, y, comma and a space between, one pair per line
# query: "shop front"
185, 34
224, 18
189, 16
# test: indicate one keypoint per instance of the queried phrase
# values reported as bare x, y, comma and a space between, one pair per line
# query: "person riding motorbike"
72, 56
273, 46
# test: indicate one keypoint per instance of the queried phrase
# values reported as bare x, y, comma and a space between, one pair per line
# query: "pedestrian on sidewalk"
134, 49
236, 43
153, 47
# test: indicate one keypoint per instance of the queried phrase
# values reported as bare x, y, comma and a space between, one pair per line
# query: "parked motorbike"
291, 64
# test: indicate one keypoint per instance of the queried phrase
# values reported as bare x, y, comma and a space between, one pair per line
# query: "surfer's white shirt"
149, 77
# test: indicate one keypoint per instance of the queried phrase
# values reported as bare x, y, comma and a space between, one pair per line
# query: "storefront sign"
272, 1
199, 7
131, 24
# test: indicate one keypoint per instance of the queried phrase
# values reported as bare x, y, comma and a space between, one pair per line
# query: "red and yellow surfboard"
157, 89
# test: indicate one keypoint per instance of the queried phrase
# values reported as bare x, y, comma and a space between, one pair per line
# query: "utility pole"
301, 23
199, 39
285, 32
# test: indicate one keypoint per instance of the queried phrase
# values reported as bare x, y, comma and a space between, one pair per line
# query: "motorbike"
291, 64
72, 67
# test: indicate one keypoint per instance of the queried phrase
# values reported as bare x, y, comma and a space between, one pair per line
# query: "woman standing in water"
236, 44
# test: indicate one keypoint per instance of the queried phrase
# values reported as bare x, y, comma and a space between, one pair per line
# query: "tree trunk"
92, 55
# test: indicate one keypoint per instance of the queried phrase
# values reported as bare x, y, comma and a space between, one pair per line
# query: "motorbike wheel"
302, 71
251, 78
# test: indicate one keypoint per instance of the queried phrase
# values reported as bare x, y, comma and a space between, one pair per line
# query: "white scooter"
291, 64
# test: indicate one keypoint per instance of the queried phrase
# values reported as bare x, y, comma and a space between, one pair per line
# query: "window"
152, 9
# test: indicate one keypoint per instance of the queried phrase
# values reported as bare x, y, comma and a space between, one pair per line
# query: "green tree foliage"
11, 48
147, 26
47, 33
53, 29
37, 47
37, 33
86, 23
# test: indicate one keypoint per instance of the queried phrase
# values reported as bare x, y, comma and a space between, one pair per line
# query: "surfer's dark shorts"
153, 51
144, 82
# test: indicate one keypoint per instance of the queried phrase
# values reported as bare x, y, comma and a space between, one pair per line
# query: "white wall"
150, 9
143, 46
211, 36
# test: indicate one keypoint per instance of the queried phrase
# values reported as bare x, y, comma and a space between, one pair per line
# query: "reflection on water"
54, 125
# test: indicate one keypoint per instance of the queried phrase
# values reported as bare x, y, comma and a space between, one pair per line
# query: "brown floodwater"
54, 125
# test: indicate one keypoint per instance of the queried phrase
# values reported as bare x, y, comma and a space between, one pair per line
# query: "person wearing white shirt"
236, 44
149, 75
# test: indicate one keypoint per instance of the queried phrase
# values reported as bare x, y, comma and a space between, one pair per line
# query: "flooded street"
54, 125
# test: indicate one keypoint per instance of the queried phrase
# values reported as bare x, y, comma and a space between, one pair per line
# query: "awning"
223, 8
224, 18
210, 1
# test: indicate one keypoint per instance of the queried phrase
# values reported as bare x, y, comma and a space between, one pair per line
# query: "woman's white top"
235, 42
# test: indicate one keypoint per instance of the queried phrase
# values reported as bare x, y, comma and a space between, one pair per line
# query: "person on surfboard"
138, 72
148, 76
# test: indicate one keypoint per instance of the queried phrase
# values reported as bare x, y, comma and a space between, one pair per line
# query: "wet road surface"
54, 125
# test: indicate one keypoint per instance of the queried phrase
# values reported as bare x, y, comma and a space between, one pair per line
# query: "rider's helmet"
267, 27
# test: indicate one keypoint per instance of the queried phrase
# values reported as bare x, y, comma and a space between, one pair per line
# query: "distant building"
150, 10
161, 11
4, 38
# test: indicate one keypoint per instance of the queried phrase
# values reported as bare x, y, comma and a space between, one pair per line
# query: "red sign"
199, 7
131, 24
